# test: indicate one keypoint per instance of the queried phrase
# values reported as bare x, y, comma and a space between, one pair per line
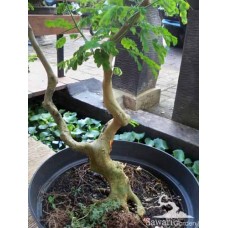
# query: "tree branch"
124, 29
75, 23
120, 117
48, 103
110, 102
130, 22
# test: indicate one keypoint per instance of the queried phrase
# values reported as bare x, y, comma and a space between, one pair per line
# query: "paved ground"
37, 154
167, 80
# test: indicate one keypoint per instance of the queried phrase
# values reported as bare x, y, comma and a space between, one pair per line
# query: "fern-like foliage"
111, 20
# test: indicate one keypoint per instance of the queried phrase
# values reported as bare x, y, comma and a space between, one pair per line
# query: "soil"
79, 187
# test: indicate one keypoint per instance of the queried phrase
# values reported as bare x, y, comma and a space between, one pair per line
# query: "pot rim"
163, 174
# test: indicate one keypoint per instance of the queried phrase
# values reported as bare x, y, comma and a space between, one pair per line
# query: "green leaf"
71, 127
62, 111
195, 167
81, 123
128, 43
188, 162
163, 32
70, 117
144, 38
87, 121
133, 50
133, 123
44, 134
138, 136
60, 42
56, 133
179, 155
136, 59
117, 137
160, 144
46, 117
32, 58
90, 45
93, 134
77, 132
32, 130
113, 15
30, 6
117, 71
133, 30
52, 125
127, 136
116, 2
43, 126
62, 8
110, 48
101, 58
160, 50
73, 36
154, 67
94, 122
35, 117
183, 7
51, 199
149, 142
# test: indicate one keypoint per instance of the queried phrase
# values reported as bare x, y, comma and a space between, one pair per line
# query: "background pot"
161, 164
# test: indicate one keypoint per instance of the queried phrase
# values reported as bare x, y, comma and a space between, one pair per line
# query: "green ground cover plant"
42, 127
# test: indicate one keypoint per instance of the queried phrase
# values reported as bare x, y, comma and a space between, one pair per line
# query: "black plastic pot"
161, 164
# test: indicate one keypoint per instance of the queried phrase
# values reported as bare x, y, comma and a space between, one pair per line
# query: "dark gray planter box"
186, 107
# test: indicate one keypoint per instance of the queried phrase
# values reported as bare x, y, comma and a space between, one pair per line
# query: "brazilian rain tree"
111, 21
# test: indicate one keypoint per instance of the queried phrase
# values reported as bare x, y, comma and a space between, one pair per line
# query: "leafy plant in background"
32, 58
42, 127
192, 166
161, 144
112, 21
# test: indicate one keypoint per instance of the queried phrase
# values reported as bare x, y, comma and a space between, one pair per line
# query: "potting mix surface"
67, 202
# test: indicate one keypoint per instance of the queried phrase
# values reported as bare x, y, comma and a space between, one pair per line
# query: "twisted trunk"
102, 163
99, 150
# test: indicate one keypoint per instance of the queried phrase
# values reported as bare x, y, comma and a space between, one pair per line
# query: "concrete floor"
167, 80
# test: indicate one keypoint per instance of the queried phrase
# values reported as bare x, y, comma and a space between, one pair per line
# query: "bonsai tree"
111, 20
